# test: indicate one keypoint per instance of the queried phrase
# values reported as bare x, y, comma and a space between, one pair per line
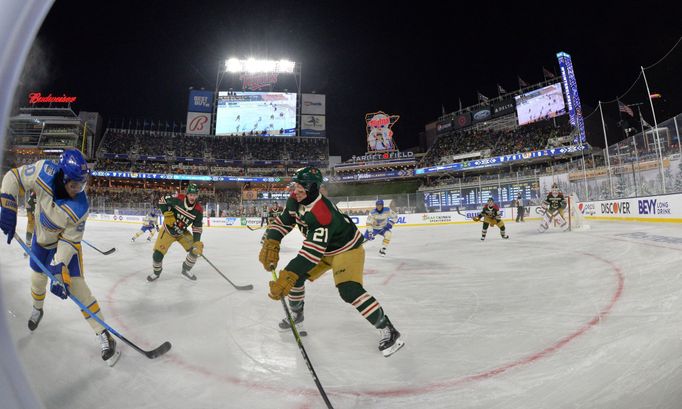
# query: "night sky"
138, 59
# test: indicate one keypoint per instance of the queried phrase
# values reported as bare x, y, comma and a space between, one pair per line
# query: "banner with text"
313, 104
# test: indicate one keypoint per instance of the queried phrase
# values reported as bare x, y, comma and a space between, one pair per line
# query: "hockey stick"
106, 253
154, 353
301, 348
253, 228
238, 287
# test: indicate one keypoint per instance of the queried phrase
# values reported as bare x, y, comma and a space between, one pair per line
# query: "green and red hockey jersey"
327, 232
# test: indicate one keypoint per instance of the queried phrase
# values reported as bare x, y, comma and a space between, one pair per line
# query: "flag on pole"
481, 97
547, 73
624, 108
522, 83
501, 90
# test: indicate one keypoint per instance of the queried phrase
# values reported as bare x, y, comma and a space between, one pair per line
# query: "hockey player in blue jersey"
379, 223
61, 211
150, 224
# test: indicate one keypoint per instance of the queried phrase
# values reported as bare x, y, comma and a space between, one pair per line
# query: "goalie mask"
555, 189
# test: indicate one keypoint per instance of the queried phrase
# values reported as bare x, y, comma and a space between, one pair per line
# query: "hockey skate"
153, 276
188, 274
390, 341
36, 316
382, 250
298, 321
506, 236
133, 239
109, 353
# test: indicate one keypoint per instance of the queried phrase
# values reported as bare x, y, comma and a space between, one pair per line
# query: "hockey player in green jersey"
332, 242
179, 213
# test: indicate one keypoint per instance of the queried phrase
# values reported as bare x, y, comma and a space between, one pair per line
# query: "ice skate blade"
114, 358
399, 343
188, 277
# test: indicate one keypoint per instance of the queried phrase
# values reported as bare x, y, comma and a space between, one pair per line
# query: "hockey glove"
476, 218
369, 234
269, 254
61, 282
8, 215
169, 218
285, 282
198, 248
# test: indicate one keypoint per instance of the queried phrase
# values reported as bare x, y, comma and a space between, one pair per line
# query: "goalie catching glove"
269, 254
284, 283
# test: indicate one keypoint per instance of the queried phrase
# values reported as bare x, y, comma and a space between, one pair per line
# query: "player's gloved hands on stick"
61, 282
369, 234
476, 218
285, 282
8, 215
169, 218
198, 248
269, 254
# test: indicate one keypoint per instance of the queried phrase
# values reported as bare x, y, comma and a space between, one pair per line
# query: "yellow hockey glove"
285, 282
476, 219
269, 254
169, 218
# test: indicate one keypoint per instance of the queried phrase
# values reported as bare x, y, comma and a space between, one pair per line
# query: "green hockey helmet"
308, 177
192, 188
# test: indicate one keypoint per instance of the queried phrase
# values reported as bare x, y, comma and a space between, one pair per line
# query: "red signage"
38, 98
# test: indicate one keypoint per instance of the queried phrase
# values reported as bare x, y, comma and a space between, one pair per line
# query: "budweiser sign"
258, 81
38, 98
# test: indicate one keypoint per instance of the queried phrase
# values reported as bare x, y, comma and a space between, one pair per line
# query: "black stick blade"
244, 287
162, 349
106, 253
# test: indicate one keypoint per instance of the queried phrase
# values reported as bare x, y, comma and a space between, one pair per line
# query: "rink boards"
661, 208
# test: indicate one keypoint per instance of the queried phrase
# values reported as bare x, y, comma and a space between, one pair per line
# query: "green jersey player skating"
332, 242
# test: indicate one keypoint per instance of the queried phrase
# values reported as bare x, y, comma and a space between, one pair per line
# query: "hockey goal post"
576, 220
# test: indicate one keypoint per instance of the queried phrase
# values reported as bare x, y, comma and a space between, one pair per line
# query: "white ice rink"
586, 319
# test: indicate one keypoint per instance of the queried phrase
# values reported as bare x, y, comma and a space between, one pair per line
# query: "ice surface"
557, 320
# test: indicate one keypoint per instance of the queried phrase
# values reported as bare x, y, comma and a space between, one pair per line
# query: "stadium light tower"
252, 66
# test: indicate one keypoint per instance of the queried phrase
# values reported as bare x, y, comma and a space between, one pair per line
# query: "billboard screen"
540, 104
200, 101
263, 113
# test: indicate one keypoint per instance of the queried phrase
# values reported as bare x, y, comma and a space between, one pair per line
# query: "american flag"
624, 108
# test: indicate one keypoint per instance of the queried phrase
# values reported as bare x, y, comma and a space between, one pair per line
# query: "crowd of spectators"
210, 147
502, 142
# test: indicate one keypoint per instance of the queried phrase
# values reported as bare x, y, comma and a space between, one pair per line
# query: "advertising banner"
198, 123
444, 126
313, 104
313, 125
503, 108
481, 115
462, 120
200, 101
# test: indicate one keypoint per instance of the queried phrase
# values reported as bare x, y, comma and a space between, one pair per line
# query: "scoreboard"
474, 197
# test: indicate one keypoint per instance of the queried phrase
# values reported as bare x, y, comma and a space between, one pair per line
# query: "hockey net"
576, 220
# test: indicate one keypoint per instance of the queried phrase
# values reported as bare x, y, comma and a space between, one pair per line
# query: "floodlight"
252, 65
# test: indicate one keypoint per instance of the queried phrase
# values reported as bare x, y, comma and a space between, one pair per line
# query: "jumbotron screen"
269, 113
541, 104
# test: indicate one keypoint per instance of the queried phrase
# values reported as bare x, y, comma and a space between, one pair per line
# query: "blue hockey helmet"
74, 166
379, 202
